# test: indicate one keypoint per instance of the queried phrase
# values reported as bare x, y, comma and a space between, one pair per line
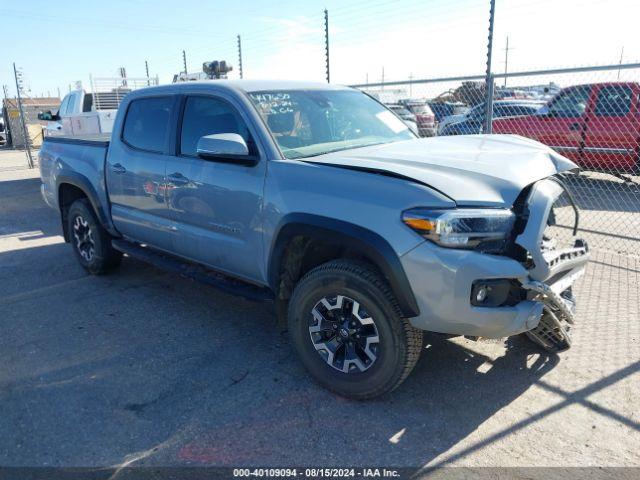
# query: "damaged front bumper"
555, 269
532, 295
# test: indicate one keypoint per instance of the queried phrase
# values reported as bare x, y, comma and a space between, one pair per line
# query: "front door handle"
575, 126
178, 179
118, 168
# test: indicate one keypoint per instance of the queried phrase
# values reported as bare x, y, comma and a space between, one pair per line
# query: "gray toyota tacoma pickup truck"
321, 200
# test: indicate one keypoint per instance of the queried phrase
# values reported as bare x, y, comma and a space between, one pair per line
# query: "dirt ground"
143, 367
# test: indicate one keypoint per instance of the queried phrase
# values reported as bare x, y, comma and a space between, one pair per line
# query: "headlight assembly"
461, 228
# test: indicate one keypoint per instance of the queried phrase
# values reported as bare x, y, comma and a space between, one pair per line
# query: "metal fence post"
240, 56
488, 117
4, 110
326, 42
27, 143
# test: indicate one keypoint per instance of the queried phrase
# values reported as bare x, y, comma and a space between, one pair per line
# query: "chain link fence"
589, 114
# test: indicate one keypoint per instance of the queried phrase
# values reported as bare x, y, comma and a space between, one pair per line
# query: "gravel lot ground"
143, 367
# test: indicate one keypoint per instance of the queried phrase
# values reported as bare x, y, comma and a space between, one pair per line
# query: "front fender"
345, 235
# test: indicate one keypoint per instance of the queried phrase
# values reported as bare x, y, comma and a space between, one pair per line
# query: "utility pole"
489, 76
506, 61
240, 57
184, 61
326, 42
382, 79
146, 68
410, 85
620, 62
24, 125
58, 92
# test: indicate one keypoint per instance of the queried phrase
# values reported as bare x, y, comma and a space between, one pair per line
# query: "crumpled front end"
526, 289
556, 259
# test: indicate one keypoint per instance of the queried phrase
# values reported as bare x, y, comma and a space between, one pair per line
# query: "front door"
613, 129
562, 125
135, 173
216, 205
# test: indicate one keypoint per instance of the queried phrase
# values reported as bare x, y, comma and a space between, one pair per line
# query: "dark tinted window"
208, 116
147, 123
570, 103
613, 101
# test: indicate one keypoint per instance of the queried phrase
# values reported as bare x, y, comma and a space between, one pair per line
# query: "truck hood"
472, 170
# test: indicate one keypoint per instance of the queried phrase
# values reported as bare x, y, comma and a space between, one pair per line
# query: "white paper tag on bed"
391, 121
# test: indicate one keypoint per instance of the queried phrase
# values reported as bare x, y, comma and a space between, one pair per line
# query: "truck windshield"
306, 123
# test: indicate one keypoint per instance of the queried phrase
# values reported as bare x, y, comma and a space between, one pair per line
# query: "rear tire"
346, 326
89, 240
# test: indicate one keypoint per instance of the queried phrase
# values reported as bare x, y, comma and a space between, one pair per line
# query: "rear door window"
147, 123
613, 101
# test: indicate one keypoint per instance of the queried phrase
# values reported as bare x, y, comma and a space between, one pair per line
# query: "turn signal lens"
419, 224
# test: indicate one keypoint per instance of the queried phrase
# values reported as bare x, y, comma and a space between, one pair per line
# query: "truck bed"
78, 161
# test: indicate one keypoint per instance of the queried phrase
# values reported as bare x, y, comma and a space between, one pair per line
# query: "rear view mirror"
225, 147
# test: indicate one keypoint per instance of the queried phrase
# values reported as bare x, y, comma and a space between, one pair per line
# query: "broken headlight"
462, 228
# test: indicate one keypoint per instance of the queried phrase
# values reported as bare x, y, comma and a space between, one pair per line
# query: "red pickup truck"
596, 126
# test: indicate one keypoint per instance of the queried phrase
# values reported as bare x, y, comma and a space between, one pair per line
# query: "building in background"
34, 127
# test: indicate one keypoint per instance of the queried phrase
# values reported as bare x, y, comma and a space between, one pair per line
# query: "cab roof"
246, 86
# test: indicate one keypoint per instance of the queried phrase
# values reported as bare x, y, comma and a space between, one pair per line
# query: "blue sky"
57, 43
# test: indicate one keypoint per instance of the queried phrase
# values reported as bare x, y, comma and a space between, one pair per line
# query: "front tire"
346, 326
90, 241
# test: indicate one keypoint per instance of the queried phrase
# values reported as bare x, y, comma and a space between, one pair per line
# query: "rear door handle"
178, 179
118, 168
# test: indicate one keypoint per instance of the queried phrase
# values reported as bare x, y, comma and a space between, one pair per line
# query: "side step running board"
193, 271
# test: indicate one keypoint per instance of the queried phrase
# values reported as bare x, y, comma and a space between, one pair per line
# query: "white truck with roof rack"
83, 113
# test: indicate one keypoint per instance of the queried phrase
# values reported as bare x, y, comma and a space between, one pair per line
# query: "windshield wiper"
344, 148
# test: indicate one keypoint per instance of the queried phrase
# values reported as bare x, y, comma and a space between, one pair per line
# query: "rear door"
613, 129
216, 205
135, 173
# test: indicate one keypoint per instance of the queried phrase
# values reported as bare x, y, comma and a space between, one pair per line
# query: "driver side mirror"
225, 147
48, 116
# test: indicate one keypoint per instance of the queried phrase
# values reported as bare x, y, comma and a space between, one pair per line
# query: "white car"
448, 120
